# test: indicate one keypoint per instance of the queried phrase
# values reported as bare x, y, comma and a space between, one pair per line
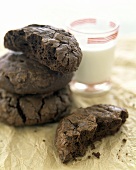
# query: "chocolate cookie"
76, 131
22, 75
34, 109
74, 134
109, 119
53, 47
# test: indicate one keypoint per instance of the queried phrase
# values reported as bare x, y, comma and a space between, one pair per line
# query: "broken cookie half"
55, 48
85, 125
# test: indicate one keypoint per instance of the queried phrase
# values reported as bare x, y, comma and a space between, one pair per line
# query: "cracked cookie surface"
34, 109
22, 75
86, 125
74, 134
53, 47
109, 119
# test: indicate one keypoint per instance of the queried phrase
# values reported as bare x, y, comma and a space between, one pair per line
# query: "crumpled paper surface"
32, 148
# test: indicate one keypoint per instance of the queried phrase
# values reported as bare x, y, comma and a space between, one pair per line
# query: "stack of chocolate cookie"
34, 76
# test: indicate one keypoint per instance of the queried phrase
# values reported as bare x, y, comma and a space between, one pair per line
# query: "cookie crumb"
75, 159
89, 157
96, 154
124, 140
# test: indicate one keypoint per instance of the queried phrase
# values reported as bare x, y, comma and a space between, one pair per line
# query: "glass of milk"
97, 39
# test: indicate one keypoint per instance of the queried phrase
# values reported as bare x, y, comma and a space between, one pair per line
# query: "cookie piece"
34, 109
22, 75
86, 125
109, 119
53, 47
74, 134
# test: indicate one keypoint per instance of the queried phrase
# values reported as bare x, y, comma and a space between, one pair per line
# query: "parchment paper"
32, 148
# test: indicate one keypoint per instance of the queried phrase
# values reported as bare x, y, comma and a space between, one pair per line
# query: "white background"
16, 13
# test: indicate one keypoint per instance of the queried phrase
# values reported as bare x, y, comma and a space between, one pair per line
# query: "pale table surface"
33, 147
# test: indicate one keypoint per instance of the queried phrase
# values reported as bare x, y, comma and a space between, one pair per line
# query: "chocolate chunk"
53, 47
22, 75
20, 110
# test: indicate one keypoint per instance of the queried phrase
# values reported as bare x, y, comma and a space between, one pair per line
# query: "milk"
97, 38
96, 64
